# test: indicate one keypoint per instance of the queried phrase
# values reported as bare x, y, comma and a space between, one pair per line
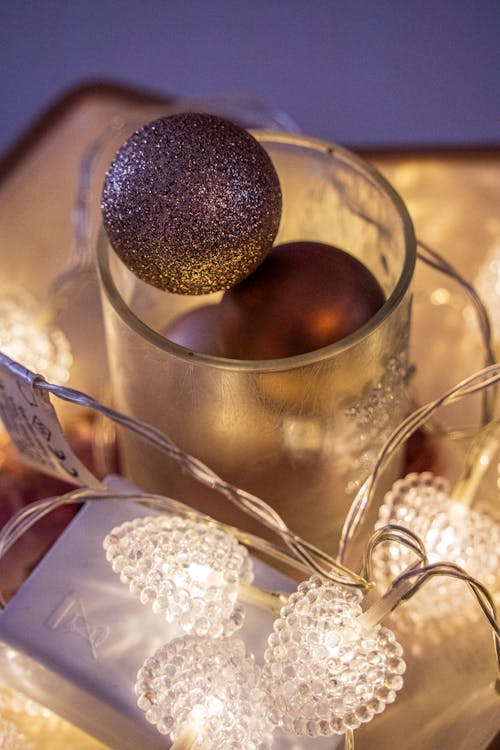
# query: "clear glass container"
300, 432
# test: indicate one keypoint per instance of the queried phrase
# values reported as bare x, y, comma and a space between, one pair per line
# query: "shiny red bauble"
302, 297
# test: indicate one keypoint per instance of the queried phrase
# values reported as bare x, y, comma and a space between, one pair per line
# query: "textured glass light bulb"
11, 738
211, 687
450, 531
41, 348
327, 672
187, 571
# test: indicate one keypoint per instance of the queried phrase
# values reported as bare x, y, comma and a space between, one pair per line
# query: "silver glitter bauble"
191, 203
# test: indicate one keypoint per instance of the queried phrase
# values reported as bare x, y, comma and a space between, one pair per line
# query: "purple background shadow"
361, 72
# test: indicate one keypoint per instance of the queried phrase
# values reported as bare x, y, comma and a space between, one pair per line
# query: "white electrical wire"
315, 559
26, 517
476, 383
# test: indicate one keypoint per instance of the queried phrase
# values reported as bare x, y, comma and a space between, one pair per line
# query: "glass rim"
299, 360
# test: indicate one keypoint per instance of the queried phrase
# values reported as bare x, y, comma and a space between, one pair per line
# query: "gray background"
358, 72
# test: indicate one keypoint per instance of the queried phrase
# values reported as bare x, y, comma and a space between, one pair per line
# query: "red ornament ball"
303, 296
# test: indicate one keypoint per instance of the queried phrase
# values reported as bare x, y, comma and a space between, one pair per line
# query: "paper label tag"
33, 426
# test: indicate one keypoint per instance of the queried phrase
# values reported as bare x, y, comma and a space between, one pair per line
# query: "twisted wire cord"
306, 553
480, 591
399, 535
475, 383
433, 259
28, 516
419, 417
316, 559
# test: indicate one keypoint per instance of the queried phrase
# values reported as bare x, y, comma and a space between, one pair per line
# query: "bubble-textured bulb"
187, 571
42, 349
210, 686
327, 672
11, 738
450, 531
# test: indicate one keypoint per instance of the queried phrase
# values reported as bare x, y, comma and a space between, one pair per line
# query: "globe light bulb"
25, 338
206, 693
188, 571
451, 532
328, 672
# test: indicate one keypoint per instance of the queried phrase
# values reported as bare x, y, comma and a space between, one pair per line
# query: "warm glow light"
186, 570
440, 296
451, 532
23, 337
207, 687
327, 672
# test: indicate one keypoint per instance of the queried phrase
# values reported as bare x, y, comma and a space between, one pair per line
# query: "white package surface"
75, 636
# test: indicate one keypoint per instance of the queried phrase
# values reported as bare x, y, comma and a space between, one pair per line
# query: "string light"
329, 666
329, 669
206, 694
187, 571
450, 531
478, 382
305, 554
26, 337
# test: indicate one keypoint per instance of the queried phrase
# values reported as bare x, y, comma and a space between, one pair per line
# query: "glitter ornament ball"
451, 532
327, 672
191, 203
187, 571
209, 686
305, 295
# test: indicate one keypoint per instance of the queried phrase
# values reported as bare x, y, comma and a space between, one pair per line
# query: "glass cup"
301, 432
